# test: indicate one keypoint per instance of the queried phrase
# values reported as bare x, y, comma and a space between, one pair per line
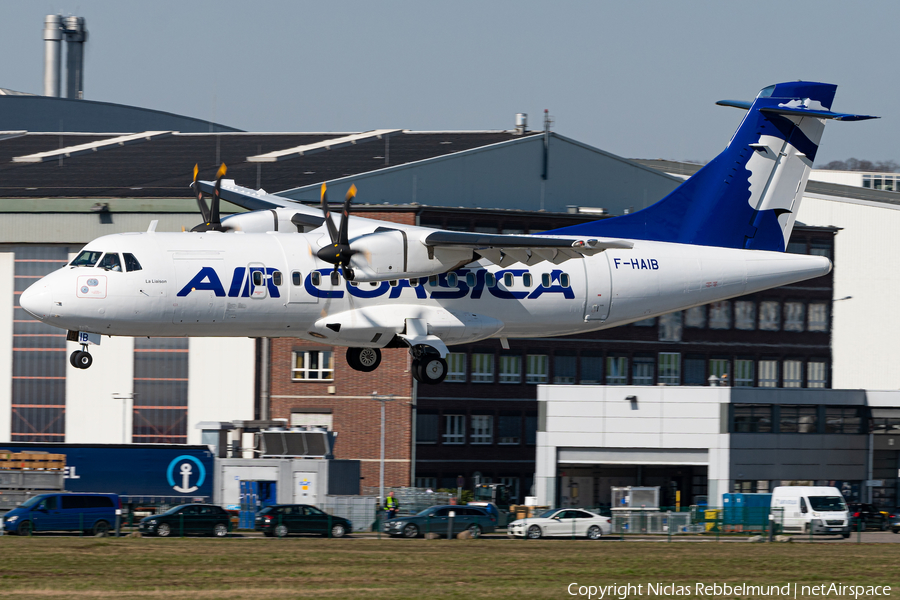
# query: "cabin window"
276, 278
527, 280
490, 279
452, 280
315, 277
257, 278
131, 263
110, 262
545, 280
296, 278
508, 279
564, 280
87, 258
433, 281
394, 283
470, 279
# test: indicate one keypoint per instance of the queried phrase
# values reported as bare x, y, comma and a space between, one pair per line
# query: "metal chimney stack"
52, 54
76, 35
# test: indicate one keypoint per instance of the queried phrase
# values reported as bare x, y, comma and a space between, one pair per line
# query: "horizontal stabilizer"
818, 114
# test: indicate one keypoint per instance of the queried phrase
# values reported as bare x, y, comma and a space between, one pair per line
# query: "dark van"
91, 513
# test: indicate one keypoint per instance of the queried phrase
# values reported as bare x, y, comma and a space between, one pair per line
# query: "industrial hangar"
490, 418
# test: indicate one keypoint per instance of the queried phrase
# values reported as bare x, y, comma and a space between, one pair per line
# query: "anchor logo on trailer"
186, 470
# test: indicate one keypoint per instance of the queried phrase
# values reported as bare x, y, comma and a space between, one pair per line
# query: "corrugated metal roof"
161, 168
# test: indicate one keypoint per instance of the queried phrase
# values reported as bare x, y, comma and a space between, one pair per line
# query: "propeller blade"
201, 203
332, 232
214, 205
345, 217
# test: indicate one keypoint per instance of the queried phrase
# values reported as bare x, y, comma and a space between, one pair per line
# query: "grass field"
394, 569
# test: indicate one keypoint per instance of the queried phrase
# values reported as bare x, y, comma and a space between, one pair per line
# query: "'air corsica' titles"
460, 284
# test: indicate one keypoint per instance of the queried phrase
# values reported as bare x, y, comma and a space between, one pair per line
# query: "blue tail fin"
749, 195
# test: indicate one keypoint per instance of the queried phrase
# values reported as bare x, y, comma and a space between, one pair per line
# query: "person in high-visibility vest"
391, 505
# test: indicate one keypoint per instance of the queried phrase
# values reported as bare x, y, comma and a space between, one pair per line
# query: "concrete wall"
7, 283
221, 373
664, 426
864, 327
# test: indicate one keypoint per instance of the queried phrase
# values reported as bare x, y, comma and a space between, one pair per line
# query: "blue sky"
639, 79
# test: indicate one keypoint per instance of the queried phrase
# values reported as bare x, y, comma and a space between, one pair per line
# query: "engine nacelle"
400, 254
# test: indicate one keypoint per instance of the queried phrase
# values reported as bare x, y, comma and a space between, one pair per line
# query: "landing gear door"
598, 287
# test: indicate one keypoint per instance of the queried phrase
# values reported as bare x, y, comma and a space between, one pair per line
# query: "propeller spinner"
339, 251
211, 219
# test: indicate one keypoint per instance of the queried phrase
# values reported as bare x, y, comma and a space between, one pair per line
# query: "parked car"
894, 520
186, 519
283, 519
436, 519
871, 517
561, 522
91, 513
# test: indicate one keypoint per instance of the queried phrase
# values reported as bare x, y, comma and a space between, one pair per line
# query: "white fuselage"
265, 285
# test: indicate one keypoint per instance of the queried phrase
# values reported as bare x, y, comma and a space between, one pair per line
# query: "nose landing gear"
81, 359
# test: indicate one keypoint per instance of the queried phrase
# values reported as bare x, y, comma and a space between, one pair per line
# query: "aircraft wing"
252, 199
505, 250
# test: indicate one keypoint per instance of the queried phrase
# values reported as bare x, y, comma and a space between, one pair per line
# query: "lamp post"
383, 400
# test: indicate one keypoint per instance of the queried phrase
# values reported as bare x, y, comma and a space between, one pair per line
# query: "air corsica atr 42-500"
285, 270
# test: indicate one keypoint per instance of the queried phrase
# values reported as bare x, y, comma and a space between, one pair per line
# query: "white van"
811, 509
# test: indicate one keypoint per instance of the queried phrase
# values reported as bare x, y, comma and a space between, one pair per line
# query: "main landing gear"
81, 359
427, 365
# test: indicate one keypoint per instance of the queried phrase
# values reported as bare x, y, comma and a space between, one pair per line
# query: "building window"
456, 367
564, 369
312, 365
616, 370
816, 374
591, 369
769, 316
312, 419
817, 317
768, 373
482, 429
794, 313
886, 425
642, 370
454, 429
670, 368
694, 371
744, 375
745, 315
531, 429
842, 420
645, 322
796, 248
695, 317
670, 327
793, 373
797, 419
538, 367
820, 248
512, 485
751, 418
719, 368
482, 368
751, 486
428, 483
426, 428
509, 429
720, 315
510, 369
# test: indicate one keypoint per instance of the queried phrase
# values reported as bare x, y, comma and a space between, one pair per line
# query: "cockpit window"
87, 258
131, 263
110, 262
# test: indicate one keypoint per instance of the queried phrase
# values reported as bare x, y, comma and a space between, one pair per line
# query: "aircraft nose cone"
36, 300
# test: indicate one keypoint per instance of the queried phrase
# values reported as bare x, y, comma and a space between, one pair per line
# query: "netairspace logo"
790, 590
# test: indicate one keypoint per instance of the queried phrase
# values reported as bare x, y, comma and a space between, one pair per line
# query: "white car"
561, 522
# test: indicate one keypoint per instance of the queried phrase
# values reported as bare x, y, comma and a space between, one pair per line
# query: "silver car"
561, 522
